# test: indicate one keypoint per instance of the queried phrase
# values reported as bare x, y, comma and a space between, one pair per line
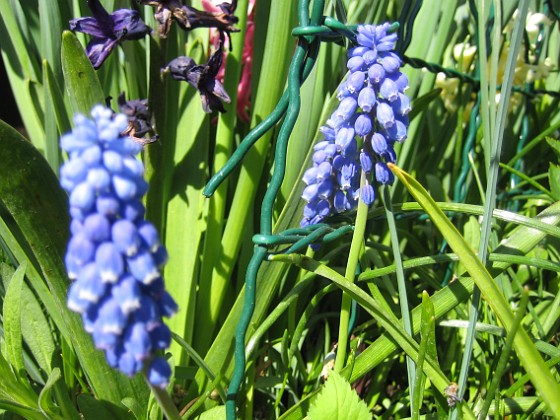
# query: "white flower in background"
525, 72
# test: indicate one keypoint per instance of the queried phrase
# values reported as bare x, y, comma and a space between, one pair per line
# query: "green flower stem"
350, 274
164, 400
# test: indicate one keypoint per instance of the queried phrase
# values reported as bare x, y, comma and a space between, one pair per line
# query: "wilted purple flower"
371, 117
190, 18
114, 256
139, 119
108, 30
203, 78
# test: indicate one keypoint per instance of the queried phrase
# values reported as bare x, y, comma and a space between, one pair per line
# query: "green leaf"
32, 325
36, 330
520, 242
528, 354
137, 409
555, 145
421, 103
81, 79
338, 400
554, 180
51, 28
45, 397
14, 396
427, 347
56, 99
100, 409
12, 322
216, 413
14, 43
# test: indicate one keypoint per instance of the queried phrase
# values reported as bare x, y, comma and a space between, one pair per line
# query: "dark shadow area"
8, 108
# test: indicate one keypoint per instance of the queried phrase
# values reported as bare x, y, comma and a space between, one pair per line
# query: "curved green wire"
305, 55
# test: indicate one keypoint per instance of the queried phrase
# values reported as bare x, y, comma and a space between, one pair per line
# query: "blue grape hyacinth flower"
108, 30
114, 255
361, 133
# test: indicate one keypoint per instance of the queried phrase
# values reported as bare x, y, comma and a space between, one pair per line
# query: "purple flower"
114, 255
190, 18
139, 119
372, 114
203, 78
108, 30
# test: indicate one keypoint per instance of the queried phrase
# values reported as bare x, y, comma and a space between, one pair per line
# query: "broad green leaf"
12, 322
528, 354
82, 83
19, 248
36, 330
187, 203
137, 409
337, 400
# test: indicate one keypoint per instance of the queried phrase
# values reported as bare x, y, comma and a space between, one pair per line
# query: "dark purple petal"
127, 24
91, 26
98, 49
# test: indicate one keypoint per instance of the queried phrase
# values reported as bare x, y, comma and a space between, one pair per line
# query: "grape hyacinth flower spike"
108, 30
114, 255
361, 133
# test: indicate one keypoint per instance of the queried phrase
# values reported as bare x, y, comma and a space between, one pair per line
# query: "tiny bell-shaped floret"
367, 99
367, 194
383, 174
363, 125
355, 64
389, 90
345, 110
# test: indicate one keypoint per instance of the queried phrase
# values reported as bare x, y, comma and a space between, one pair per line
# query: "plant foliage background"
482, 153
